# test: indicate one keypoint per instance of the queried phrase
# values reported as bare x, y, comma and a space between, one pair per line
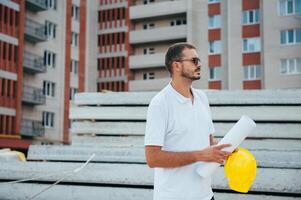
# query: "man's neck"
183, 87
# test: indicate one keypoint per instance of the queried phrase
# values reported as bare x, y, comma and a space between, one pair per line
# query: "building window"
148, 26
48, 119
75, 12
148, 1
290, 66
215, 73
251, 45
177, 22
74, 41
251, 17
73, 91
74, 66
252, 72
51, 4
213, 1
148, 75
289, 7
214, 21
215, 47
292, 36
49, 59
50, 30
150, 50
48, 88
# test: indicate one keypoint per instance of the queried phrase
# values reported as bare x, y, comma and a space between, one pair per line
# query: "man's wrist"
196, 156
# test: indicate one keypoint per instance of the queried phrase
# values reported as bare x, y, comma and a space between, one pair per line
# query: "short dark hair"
174, 53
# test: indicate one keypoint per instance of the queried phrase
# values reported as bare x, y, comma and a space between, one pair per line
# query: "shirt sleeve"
155, 126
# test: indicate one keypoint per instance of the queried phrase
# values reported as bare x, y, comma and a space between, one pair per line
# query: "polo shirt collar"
179, 96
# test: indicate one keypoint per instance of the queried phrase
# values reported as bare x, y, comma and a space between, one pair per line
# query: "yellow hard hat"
240, 170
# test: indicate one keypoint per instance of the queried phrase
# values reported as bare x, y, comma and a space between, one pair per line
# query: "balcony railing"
148, 85
147, 61
33, 96
158, 9
112, 5
169, 33
34, 31
36, 5
32, 128
33, 63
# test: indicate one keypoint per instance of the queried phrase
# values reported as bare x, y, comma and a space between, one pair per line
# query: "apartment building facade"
11, 74
243, 44
50, 50
43, 59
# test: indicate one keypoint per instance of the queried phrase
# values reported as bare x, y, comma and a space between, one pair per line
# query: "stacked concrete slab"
111, 125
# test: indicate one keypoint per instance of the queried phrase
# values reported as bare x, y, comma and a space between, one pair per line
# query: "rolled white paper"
234, 137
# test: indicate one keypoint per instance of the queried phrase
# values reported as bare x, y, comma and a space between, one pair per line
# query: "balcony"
147, 61
113, 5
148, 85
33, 63
32, 128
33, 96
170, 33
158, 9
34, 31
36, 5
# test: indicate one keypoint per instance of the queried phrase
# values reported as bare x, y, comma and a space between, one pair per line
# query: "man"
179, 131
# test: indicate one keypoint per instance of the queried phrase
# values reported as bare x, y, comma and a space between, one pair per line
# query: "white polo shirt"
177, 125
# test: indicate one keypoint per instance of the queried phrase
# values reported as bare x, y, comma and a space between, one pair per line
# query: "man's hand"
214, 141
213, 154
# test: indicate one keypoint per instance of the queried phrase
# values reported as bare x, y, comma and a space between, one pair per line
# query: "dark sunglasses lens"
196, 61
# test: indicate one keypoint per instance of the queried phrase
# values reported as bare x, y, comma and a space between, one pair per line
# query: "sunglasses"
196, 61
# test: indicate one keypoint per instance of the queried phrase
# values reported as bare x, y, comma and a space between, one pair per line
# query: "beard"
190, 74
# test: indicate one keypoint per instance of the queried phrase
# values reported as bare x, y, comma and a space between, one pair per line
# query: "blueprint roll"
235, 136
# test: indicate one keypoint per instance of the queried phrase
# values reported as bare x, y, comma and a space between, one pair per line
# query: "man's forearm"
168, 159
156, 157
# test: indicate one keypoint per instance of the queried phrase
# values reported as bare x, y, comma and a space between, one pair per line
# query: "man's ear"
175, 66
